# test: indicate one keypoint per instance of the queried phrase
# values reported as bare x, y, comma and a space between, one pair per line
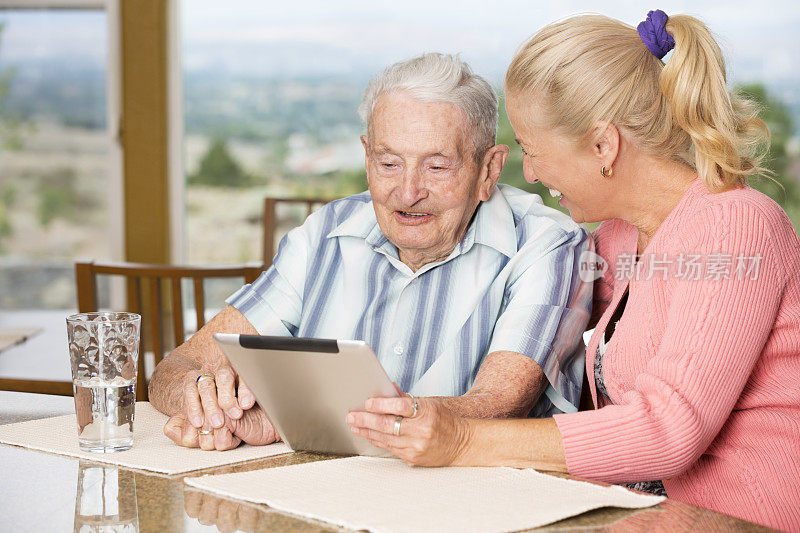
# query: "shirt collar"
493, 226
361, 223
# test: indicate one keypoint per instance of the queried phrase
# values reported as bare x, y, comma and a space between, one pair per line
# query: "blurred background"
152, 130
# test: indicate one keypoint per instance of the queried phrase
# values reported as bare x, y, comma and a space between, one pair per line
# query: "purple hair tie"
653, 32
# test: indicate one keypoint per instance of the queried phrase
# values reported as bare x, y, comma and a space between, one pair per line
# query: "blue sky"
759, 38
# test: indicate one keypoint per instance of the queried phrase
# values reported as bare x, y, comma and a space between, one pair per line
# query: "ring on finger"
415, 406
203, 377
205, 431
397, 421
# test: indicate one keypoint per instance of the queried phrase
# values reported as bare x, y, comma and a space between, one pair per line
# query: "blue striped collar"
493, 226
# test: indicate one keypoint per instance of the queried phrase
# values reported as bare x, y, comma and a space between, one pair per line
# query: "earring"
606, 173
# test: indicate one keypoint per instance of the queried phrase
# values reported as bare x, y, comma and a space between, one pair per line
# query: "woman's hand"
434, 437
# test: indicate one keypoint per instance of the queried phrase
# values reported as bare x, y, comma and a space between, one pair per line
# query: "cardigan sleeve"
604, 286
715, 332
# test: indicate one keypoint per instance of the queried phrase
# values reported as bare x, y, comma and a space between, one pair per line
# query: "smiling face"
566, 167
423, 177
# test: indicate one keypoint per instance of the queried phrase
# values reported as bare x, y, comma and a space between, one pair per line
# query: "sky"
345, 37
758, 37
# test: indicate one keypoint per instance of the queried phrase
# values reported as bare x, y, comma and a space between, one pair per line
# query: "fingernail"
217, 420
351, 419
197, 421
354, 429
246, 401
235, 412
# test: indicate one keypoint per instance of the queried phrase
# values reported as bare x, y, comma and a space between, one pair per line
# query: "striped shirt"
511, 284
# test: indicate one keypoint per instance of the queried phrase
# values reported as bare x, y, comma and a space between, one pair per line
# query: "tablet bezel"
330, 378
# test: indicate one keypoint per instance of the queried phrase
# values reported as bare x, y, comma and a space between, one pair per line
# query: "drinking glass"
103, 351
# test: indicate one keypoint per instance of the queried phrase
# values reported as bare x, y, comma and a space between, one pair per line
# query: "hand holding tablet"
308, 386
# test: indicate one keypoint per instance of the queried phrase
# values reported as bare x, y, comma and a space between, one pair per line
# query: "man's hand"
254, 427
225, 514
208, 401
183, 433
173, 387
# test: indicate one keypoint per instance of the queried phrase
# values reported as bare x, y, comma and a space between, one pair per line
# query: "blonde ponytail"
728, 138
591, 67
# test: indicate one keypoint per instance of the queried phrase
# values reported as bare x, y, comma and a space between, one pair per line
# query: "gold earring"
606, 173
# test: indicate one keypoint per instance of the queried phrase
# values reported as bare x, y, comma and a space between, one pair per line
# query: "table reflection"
106, 500
226, 515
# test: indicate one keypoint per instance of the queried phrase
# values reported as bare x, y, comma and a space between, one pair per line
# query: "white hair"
434, 77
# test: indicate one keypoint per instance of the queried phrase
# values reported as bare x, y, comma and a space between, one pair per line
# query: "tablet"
307, 387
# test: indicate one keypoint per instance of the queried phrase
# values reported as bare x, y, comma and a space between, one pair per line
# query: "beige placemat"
386, 495
12, 336
152, 450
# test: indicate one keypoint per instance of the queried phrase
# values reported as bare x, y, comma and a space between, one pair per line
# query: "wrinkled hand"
227, 515
208, 402
254, 427
435, 437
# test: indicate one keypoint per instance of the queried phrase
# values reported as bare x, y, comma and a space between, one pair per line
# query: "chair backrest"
146, 288
270, 220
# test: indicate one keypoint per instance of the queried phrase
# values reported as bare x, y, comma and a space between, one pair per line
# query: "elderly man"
467, 291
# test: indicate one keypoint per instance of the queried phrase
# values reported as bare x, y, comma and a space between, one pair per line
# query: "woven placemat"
152, 451
387, 496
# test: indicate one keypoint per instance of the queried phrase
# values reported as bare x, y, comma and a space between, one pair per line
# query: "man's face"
422, 175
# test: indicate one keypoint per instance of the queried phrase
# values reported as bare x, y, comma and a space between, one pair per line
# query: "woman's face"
567, 168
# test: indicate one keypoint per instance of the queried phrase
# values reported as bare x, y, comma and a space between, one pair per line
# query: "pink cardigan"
703, 369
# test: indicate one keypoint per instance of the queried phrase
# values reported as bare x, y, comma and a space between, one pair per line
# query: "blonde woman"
694, 364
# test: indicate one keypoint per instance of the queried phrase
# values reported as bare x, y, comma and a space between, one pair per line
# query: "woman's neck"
656, 188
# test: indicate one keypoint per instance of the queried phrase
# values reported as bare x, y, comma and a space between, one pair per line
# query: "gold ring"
415, 406
205, 431
397, 421
203, 377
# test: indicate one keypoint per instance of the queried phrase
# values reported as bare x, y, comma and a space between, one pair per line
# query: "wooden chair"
61, 388
148, 304
270, 221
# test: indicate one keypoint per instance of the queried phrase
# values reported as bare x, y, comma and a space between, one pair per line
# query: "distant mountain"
281, 60
271, 92
73, 93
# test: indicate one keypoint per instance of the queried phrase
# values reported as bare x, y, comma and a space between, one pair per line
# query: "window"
57, 183
271, 91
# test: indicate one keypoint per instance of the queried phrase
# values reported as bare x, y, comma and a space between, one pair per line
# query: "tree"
10, 125
779, 121
58, 195
351, 181
218, 168
10, 139
782, 188
7, 195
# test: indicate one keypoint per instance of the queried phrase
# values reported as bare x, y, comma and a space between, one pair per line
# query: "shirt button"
398, 349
